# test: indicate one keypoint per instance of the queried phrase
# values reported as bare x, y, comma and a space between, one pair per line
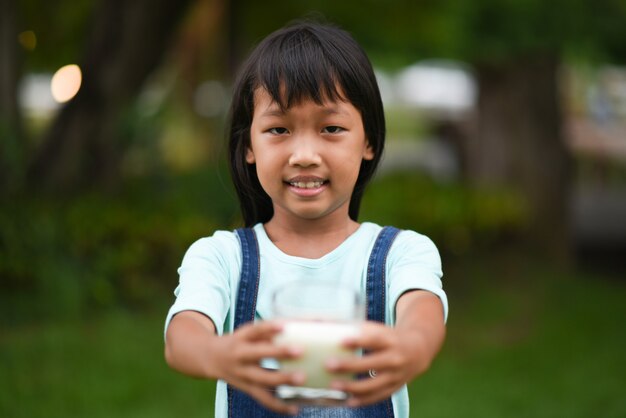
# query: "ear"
368, 152
250, 159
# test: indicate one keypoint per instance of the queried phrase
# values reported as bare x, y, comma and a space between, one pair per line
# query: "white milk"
320, 341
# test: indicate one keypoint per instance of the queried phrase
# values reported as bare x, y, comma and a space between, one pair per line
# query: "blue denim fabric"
240, 405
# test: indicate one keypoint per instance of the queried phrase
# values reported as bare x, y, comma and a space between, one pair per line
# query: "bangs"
299, 68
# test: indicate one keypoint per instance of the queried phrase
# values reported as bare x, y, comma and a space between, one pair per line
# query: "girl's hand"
237, 361
394, 356
193, 348
392, 360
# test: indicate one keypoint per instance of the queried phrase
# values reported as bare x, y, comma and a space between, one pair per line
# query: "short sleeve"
205, 277
414, 263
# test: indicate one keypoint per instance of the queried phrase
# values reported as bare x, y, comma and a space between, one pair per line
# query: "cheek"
347, 169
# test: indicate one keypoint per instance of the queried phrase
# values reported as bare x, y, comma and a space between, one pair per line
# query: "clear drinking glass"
317, 317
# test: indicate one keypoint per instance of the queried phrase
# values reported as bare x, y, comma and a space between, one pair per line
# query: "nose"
305, 152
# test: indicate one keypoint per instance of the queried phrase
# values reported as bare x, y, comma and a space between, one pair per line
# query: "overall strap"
376, 303
245, 307
376, 279
241, 404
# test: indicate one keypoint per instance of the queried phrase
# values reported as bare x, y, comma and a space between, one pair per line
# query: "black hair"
302, 61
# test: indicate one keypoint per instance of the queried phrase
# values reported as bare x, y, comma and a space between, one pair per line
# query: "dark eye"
333, 129
278, 131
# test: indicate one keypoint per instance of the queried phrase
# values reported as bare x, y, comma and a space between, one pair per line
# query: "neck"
309, 238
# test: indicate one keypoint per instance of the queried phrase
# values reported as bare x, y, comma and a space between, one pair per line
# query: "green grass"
524, 340
528, 341
111, 366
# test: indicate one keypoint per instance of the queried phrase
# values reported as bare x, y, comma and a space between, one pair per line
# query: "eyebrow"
272, 111
275, 111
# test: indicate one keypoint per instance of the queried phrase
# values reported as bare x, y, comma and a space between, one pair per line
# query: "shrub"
456, 217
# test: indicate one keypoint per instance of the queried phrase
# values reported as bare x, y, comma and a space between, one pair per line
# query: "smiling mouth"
307, 184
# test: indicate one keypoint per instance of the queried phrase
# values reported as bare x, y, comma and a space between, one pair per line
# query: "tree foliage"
84, 145
60, 28
120, 42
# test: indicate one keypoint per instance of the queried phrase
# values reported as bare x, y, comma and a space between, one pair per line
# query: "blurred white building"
440, 87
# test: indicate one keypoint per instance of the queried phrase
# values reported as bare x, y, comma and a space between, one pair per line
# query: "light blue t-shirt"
210, 271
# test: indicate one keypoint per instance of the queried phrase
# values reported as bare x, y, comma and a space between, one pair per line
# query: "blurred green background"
506, 145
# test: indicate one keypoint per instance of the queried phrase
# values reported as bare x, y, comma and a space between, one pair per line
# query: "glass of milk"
317, 317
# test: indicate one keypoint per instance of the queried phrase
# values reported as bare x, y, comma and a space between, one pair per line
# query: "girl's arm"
397, 355
193, 348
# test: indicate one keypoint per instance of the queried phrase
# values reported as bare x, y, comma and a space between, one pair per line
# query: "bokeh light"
66, 83
28, 40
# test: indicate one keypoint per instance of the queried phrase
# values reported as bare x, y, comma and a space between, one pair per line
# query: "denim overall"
240, 405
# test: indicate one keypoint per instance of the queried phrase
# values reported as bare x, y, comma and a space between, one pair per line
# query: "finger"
372, 398
363, 387
268, 400
376, 395
367, 391
380, 362
259, 331
272, 378
255, 352
372, 337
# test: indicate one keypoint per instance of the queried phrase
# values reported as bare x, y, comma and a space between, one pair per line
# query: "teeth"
307, 184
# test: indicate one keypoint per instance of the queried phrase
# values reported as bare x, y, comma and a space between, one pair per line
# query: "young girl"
307, 132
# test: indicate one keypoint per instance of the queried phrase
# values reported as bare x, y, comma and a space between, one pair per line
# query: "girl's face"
308, 156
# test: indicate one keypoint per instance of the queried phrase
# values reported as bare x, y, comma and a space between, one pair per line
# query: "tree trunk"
519, 143
11, 144
235, 47
85, 143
